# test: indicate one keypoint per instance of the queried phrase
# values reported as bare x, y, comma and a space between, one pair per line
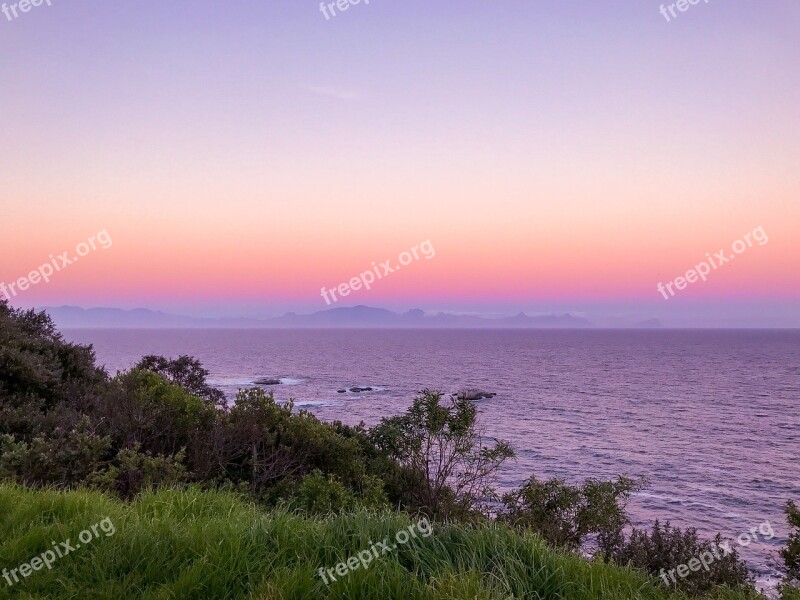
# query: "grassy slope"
209, 545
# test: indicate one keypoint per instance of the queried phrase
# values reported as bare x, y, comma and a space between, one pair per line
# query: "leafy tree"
39, 371
185, 371
256, 425
566, 515
448, 467
142, 409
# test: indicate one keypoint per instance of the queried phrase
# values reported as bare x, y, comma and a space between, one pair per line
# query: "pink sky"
241, 161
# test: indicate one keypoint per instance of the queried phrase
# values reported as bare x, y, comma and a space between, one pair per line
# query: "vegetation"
447, 469
791, 554
667, 545
192, 543
248, 500
64, 422
566, 515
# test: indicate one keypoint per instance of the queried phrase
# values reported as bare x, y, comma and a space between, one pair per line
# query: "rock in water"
474, 394
267, 381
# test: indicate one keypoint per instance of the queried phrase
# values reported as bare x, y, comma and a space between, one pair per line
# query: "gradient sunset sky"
560, 156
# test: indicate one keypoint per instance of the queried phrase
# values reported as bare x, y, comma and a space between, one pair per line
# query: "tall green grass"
193, 544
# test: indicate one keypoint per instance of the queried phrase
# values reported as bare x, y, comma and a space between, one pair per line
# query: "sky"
558, 156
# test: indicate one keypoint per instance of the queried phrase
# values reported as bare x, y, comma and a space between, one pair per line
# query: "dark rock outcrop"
474, 394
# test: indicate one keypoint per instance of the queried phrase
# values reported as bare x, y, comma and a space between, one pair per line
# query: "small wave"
304, 403
230, 381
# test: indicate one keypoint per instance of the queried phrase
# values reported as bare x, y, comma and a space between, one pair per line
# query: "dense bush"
320, 495
142, 409
45, 382
185, 371
666, 547
132, 471
269, 446
36, 363
64, 457
566, 515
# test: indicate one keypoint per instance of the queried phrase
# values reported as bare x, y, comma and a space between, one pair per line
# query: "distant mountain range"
365, 316
72, 317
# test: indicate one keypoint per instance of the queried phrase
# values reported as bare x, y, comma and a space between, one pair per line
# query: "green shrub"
664, 548
133, 471
65, 458
142, 408
184, 371
567, 516
320, 494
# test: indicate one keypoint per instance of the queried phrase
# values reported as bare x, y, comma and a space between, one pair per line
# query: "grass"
193, 544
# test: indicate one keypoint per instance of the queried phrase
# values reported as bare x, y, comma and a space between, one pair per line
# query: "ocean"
709, 416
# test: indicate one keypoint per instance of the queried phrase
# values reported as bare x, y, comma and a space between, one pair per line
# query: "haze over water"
711, 417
